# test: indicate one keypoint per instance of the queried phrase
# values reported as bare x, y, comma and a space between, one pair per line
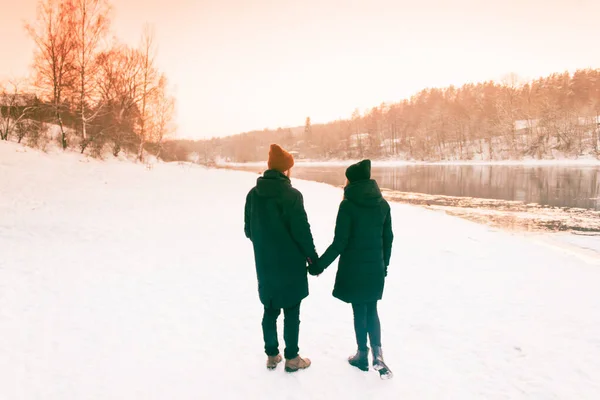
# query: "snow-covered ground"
122, 282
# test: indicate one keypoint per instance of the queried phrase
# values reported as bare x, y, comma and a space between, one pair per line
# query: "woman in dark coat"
363, 240
276, 223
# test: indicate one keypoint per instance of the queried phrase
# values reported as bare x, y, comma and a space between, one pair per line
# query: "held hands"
313, 267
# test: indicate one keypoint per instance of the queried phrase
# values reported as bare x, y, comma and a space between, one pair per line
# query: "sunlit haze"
245, 65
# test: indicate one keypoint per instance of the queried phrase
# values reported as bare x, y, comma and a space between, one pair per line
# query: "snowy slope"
118, 282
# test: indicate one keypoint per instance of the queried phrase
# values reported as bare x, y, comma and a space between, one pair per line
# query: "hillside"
556, 116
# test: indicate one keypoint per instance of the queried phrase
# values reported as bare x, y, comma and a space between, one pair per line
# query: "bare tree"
90, 24
15, 106
28, 128
52, 33
163, 112
356, 136
120, 90
132, 90
507, 107
148, 84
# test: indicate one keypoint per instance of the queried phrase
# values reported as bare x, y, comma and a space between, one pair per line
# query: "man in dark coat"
363, 240
276, 223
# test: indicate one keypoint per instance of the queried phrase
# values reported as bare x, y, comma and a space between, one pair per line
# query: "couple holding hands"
276, 222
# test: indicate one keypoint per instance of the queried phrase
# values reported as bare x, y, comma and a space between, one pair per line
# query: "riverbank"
505, 214
510, 215
584, 161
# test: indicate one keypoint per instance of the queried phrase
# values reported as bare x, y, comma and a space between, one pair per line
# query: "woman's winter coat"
363, 240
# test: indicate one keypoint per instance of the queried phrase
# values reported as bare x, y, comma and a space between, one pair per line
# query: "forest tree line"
96, 92
557, 115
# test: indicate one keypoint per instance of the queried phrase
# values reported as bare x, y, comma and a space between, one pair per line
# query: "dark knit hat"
359, 172
279, 159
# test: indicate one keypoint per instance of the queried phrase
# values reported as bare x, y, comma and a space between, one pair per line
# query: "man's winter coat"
276, 223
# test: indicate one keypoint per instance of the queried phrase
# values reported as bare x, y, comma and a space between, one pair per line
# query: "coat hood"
364, 193
272, 184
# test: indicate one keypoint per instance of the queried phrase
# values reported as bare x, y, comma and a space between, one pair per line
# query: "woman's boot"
379, 365
360, 360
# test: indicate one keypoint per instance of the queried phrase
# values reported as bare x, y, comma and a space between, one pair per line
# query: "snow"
589, 242
122, 282
585, 246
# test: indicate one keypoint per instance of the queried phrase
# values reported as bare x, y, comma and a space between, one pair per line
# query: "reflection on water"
561, 186
553, 186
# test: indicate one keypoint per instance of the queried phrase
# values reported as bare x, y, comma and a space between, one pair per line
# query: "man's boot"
272, 361
296, 364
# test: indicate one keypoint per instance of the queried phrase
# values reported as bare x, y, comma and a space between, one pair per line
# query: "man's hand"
313, 267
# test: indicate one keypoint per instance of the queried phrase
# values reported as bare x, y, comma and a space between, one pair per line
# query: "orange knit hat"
279, 159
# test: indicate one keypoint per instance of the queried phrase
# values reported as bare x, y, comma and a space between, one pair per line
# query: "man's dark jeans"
291, 328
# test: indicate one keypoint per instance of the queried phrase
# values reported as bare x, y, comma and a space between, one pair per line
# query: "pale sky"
241, 65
